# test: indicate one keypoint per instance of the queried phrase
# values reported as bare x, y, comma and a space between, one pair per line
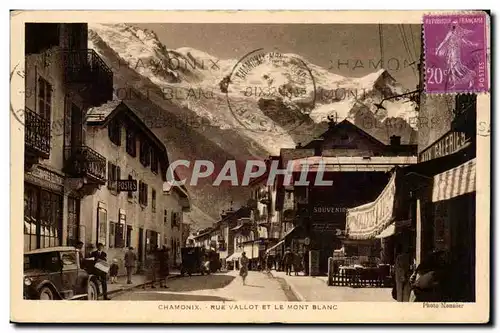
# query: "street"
215, 287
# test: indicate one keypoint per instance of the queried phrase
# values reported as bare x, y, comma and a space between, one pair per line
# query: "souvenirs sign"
366, 221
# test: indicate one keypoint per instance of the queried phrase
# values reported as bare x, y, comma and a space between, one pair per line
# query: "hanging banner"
367, 221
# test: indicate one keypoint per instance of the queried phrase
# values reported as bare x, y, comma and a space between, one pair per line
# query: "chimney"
299, 145
318, 147
395, 140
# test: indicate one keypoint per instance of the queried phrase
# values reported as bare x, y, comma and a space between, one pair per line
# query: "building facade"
357, 165
132, 210
63, 79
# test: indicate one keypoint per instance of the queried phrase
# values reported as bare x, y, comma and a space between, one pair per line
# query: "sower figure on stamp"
130, 260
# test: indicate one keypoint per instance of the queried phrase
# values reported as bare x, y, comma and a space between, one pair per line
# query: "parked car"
194, 261
55, 273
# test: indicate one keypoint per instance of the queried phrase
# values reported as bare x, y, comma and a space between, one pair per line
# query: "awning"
234, 256
455, 182
387, 232
275, 246
367, 221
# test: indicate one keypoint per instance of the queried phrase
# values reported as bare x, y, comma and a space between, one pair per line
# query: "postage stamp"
192, 168
455, 47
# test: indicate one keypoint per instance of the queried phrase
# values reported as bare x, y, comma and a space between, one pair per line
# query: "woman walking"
163, 263
243, 267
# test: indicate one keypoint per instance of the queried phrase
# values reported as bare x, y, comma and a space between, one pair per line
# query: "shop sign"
324, 227
448, 144
368, 220
126, 185
45, 178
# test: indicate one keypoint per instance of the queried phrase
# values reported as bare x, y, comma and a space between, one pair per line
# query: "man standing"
81, 255
100, 255
402, 270
130, 260
287, 261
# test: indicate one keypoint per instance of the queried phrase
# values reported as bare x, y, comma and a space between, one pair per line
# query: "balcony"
84, 162
36, 137
88, 74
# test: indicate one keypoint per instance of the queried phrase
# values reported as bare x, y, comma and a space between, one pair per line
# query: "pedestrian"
297, 263
130, 262
164, 270
244, 267
81, 254
287, 261
151, 266
100, 256
402, 270
431, 280
306, 262
113, 271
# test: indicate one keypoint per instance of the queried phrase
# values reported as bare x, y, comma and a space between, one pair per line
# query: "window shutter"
118, 173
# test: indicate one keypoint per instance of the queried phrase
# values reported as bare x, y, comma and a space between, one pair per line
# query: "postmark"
270, 91
17, 92
455, 47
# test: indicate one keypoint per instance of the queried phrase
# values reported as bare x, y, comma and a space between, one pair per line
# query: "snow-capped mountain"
222, 115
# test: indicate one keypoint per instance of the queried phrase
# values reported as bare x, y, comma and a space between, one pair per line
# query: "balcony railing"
93, 77
37, 133
83, 161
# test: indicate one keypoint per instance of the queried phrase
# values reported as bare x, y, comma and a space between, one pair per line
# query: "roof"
350, 125
103, 114
288, 154
52, 249
353, 163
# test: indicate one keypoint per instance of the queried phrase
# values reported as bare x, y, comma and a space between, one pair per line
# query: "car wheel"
92, 291
46, 294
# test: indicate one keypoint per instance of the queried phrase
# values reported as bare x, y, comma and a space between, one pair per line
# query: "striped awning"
455, 182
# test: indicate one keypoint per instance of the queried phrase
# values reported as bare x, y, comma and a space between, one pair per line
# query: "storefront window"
73, 221
42, 218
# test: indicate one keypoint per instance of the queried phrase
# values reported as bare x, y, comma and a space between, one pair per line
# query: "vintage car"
55, 273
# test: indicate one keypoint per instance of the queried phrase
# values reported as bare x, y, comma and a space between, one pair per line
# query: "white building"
122, 214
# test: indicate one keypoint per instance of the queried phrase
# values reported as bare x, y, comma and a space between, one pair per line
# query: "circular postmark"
17, 92
270, 91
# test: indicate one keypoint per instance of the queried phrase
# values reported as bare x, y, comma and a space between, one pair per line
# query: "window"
112, 227
69, 260
165, 217
120, 230
129, 236
114, 132
154, 161
102, 223
153, 200
130, 194
114, 174
145, 153
42, 218
73, 221
143, 193
131, 143
174, 219
44, 98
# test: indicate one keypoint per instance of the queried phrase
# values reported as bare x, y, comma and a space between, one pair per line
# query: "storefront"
451, 225
43, 210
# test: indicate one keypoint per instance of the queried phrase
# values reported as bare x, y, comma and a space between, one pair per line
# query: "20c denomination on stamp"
455, 47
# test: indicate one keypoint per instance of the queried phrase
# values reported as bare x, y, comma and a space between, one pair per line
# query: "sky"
345, 49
